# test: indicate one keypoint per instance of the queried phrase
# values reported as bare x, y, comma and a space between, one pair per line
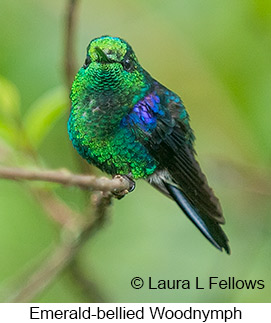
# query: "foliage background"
216, 55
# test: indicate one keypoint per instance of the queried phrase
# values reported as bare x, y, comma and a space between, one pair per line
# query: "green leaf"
9, 100
8, 133
44, 113
9, 111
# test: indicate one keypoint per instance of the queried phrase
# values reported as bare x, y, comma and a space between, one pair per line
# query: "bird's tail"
208, 226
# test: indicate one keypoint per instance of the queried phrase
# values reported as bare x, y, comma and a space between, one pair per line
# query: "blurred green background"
217, 56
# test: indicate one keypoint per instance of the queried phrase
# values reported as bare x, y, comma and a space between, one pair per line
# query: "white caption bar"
159, 312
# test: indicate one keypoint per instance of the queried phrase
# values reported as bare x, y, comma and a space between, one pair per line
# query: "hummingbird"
128, 124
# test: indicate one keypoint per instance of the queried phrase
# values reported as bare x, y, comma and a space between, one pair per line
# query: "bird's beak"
102, 58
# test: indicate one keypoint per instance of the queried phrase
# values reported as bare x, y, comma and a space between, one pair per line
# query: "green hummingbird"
126, 123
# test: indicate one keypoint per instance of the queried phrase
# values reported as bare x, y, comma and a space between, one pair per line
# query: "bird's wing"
170, 141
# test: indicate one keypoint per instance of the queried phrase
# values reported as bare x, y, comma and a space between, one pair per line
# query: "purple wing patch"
145, 113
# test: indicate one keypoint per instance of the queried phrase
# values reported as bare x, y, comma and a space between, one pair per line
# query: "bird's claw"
119, 195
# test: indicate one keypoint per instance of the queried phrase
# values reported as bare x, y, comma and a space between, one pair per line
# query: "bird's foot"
121, 194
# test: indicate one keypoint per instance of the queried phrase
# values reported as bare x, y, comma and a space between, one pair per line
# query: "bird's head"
111, 67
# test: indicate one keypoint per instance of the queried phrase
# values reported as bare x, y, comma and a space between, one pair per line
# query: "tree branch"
69, 48
89, 288
64, 253
64, 177
75, 229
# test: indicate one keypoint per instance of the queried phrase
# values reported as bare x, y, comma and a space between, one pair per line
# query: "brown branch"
56, 209
69, 46
89, 288
64, 177
70, 65
63, 254
75, 230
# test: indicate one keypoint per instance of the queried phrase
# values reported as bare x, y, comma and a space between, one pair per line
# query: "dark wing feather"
209, 228
171, 144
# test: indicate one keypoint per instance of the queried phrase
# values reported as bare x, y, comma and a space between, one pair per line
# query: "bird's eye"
87, 62
128, 64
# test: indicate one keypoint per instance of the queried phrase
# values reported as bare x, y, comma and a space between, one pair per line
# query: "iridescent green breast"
104, 92
115, 152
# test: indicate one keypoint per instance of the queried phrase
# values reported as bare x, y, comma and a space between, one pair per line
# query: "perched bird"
126, 123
